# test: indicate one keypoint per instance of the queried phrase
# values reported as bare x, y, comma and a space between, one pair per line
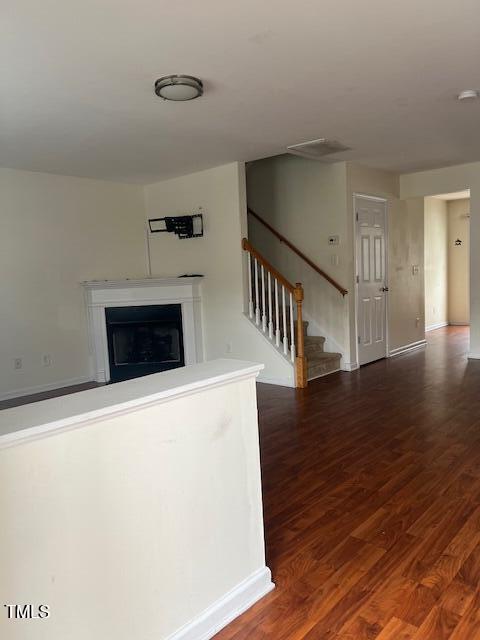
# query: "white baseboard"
349, 366
282, 382
227, 608
407, 347
40, 388
471, 355
459, 324
437, 325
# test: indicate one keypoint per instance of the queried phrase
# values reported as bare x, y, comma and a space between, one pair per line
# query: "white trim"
459, 324
227, 608
40, 388
436, 325
471, 355
149, 291
350, 366
407, 347
366, 196
281, 382
322, 375
50, 417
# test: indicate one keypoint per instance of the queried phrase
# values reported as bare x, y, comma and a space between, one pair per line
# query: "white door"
372, 289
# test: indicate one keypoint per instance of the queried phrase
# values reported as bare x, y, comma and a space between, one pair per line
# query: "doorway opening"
447, 258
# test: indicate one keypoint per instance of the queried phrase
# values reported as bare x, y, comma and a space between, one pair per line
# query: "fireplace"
138, 327
144, 340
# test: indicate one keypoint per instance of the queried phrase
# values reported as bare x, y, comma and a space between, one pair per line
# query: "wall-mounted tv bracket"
184, 226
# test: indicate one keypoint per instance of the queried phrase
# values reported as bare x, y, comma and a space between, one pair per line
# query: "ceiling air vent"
317, 149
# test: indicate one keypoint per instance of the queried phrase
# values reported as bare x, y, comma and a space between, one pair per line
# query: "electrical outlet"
417, 322
18, 363
47, 360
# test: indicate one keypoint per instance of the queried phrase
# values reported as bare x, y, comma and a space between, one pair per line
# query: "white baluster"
284, 312
264, 314
257, 305
250, 294
270, 320
277, 321
292, 331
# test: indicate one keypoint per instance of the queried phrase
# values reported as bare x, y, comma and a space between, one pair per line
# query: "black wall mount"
184, 227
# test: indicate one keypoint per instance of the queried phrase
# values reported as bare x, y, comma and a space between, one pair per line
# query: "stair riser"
323, 369
312, 349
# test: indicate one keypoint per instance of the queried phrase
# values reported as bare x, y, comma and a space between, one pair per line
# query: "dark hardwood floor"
372, 502
45, 395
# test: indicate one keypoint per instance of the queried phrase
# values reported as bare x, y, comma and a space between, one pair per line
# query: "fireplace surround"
138, 327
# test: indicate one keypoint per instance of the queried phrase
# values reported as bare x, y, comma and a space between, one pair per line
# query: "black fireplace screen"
144, 340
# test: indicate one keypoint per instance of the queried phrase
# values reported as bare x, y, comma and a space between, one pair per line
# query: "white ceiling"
76, 94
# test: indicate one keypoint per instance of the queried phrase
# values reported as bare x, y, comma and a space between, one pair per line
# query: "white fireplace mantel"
100, 294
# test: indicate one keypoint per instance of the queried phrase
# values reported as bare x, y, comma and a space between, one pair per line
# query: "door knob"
384, 289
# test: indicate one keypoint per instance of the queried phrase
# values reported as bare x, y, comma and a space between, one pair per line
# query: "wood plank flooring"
372, 502
46, 395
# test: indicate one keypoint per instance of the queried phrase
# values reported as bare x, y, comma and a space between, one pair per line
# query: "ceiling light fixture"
178, 88
468, 94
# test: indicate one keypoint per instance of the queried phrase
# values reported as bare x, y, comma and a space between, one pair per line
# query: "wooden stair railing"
271, 299
298, 252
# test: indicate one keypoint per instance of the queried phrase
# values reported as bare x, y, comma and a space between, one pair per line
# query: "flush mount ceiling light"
468, 94
178, 88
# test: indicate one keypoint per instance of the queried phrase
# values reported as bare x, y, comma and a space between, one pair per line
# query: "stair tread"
324, 355
314, 339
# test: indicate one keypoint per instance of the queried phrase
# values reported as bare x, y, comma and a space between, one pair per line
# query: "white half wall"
57, 231
219, 257
134, 511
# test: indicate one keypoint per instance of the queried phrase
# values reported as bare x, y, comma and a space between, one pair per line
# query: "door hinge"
358, 339
358, 279
356, 216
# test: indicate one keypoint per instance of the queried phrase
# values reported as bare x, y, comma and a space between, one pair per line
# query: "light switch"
415, 269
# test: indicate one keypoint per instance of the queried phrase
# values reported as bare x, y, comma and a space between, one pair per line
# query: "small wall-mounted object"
458, 242
190, 226
333, 240
415, 269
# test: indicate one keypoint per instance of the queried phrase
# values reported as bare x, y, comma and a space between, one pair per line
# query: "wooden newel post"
300, 360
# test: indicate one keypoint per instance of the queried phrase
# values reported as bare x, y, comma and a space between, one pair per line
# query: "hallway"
372, 501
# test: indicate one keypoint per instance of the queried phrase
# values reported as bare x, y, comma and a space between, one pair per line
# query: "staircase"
319, 362
275, 307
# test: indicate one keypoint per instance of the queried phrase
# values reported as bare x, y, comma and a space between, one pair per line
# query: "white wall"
406, 302
458, 259
405, 249
57, 231
219, 257
132, 525
449, 180
305, 201
436, 263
